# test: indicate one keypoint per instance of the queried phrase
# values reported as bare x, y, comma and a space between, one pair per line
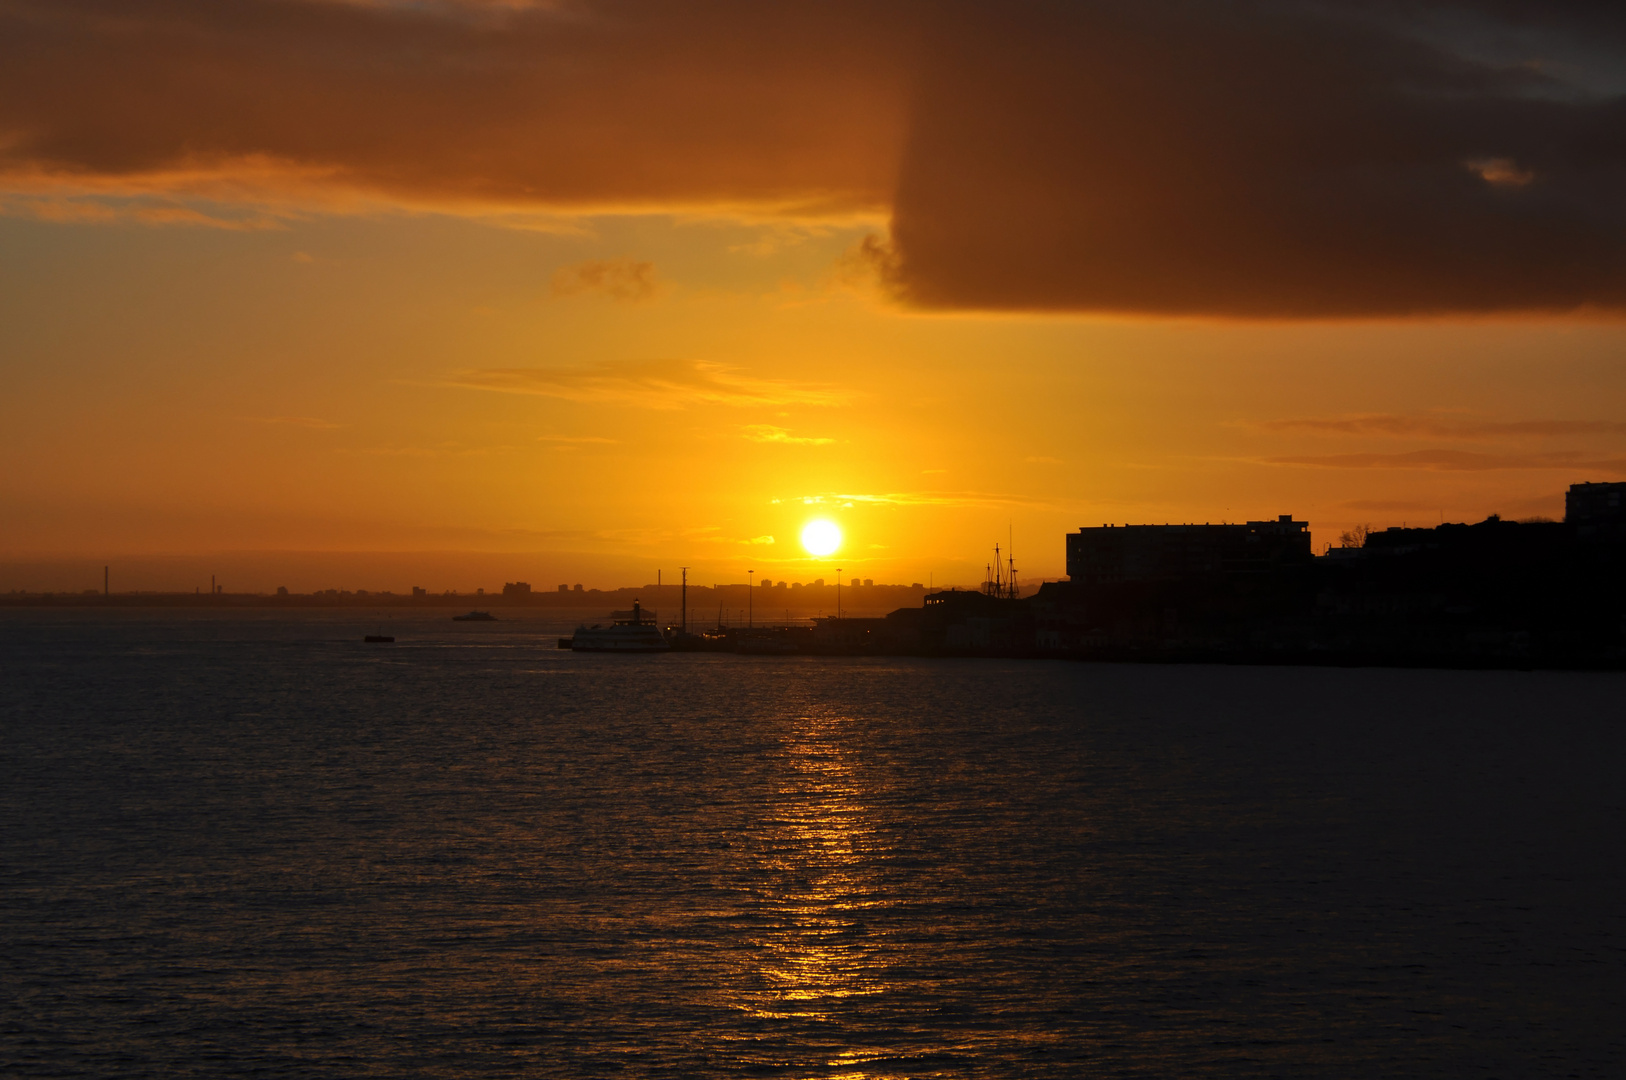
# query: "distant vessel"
475, 616
378, 639
631, 631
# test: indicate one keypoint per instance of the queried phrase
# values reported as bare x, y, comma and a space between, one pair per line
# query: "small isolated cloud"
626, 280
760, 540
650, 384
1500, 172
1440, 428
315, 423
767, 433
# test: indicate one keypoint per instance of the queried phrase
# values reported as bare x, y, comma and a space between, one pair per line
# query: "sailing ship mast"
1000, 579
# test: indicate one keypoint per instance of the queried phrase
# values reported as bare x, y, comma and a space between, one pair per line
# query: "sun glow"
821, 537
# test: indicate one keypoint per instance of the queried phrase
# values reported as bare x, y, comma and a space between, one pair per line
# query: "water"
245, 844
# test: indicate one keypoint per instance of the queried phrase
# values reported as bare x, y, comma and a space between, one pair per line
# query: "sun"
821, 537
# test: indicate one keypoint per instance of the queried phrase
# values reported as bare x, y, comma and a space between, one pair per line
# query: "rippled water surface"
244, 844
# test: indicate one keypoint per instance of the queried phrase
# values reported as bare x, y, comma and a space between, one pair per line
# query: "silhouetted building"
517, 588
1596, 511
564, 588
416, 591
1114, 553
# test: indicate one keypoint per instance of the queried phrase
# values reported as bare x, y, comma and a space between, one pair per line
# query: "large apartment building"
1115, 553
1597, 511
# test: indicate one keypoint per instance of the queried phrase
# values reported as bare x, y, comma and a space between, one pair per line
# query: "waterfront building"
1122, 553
1596, 511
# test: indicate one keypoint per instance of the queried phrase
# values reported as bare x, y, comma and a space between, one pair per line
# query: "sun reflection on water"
823, 841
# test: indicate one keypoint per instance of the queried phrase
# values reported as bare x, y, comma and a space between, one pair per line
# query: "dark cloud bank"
1236, 159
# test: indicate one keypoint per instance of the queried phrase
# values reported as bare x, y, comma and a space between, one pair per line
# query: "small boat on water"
378, 639
475, 616
629, 632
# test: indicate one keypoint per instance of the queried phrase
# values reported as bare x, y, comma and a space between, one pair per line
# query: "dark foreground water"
242, 845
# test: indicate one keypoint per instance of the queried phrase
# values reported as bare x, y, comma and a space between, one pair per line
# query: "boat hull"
632, 632
620, 639
621, 648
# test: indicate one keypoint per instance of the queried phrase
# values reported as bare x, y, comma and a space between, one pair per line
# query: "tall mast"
1010, 555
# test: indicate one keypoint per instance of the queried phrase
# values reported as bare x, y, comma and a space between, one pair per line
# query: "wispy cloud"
1454, 461
574, 440
651, 384
714, 535
75, 209
921, 498
1379, 506
443, 450
1434, 427
627, 280
313, 422
767, 433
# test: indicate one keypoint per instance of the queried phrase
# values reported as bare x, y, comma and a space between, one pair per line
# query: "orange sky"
575, 292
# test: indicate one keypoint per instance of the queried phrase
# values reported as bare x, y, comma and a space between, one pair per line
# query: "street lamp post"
838, 592
750, 600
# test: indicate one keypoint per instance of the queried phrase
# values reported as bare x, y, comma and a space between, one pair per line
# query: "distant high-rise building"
869, 583
417, 591
1114, 553
1597, 511
766, 584
517, 588
564, 588
578, 588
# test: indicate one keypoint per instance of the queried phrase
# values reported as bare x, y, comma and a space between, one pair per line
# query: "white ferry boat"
630, 631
